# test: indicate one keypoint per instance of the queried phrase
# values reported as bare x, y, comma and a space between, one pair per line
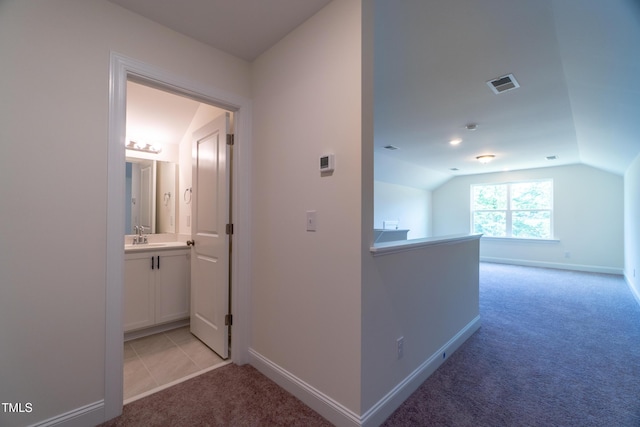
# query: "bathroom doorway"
160, 128
123, 69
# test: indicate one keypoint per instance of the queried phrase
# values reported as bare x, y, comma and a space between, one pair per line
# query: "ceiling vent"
390, 147
503, 84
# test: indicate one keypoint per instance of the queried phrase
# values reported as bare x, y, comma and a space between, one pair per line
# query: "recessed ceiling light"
454, 169
455, 141
390, 147
485, 158
552, 157
471, 126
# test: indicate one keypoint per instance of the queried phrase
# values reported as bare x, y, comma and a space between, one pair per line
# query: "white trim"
374, 416
121, 68
379, 412
140, 333
556, 265
88, 415
312, 397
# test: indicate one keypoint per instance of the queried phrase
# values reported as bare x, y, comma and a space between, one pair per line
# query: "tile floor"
160, 359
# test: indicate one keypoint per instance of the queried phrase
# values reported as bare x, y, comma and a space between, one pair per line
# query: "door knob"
191, 243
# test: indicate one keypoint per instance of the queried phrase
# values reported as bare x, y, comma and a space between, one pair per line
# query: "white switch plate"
311, 220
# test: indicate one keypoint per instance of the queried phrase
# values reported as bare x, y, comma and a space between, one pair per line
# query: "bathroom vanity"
156, 284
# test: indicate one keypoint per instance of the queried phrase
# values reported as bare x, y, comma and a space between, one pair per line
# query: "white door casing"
121, 69
210, 253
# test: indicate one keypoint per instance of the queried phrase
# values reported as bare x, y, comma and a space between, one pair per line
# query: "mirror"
151, 189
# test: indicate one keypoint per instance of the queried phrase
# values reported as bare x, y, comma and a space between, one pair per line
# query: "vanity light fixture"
145, 148
485, 158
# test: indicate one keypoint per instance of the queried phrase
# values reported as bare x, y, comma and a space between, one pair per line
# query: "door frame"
123, 68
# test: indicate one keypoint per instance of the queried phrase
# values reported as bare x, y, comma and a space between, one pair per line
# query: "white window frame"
508, 211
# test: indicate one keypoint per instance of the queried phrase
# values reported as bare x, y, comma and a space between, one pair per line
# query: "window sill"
520, 240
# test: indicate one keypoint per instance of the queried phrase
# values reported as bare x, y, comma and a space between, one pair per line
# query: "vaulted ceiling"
577, 63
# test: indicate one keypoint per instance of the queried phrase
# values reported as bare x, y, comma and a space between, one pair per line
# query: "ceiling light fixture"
390, 147
471, 126
485, 158
455, 141
145, 148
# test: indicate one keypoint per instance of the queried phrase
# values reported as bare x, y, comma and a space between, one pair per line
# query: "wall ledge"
387, 248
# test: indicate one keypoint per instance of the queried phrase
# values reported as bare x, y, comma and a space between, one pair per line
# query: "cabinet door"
139, 295
172, 286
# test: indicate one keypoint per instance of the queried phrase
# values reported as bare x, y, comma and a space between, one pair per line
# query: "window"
522, 210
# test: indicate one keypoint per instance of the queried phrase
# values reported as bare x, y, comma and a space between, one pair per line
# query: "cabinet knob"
191, 243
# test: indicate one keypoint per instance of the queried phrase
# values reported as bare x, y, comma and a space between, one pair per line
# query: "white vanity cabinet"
156, 287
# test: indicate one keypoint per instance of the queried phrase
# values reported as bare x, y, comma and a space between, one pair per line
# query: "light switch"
311, 220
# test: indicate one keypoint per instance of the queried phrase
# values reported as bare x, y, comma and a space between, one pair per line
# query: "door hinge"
228, 320
229, 228
230, 139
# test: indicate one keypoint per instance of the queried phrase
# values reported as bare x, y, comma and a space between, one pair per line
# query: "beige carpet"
228, 396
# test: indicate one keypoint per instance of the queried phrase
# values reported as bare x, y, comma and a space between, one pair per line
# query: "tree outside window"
517, 210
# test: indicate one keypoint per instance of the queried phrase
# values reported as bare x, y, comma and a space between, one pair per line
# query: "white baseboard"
140, 333
315, 399
556, 265
89, 415
342, 416
389, 403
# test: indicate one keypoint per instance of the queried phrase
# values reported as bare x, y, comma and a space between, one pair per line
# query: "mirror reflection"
151, 188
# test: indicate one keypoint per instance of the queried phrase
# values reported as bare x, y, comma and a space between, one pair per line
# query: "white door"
210, 253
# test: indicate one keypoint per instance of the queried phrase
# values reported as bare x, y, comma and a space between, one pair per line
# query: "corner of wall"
633, 287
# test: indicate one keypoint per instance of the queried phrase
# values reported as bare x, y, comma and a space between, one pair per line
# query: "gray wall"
408, 205
54, 132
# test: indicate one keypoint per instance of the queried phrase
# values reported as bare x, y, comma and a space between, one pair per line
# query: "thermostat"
327, 163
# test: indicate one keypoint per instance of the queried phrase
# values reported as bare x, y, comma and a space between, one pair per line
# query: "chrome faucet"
139, 239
